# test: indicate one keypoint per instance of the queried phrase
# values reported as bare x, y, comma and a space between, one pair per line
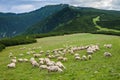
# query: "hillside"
98, 68
12, 24
75, 19
57, 18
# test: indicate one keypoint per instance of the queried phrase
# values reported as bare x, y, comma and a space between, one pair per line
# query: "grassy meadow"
98, 68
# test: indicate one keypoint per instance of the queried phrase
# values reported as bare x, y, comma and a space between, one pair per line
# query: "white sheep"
65, 59
32, 59
43, 67
107, 54
36, 55
60, 65
89, 57
11, 65
77, 58
25, 60
108, 45
54, 69
20, 60
34, 63
13, 60
84, 58
50, 63
41, 62
76, 55
60, 58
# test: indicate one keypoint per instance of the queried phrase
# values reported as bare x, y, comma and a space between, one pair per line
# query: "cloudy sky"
20, 6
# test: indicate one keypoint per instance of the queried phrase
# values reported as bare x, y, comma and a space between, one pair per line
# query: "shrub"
2, 47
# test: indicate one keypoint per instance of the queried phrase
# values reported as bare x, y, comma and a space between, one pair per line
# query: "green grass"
100, 28
99, 68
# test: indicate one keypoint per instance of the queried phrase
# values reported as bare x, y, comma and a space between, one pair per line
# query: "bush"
107, 32
2, 47
16, 41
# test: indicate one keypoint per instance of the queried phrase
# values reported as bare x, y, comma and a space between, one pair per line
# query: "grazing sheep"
77, 58
60, 65
84, 58
65, 59
41, 62
36, 55
54, 69
76, 55
89, 57
43, 67
25, 60
41, 59
60, 58
11, 65
41, 52
108, 45
34, 63
28, 53
107, 54
20, 60
90, 51
32, 59
13, 60
50, 63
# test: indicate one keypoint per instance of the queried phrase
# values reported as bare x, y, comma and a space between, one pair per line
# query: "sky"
21, 6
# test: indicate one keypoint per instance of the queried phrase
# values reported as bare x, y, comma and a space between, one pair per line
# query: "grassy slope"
100, 28
108, 68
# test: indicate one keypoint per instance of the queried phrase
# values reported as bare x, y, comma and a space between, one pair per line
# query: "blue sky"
20, 6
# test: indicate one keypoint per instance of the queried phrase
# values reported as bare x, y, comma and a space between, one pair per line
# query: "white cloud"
22, 8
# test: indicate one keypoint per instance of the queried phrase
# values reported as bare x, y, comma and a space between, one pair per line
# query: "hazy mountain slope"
12, 24
73, 19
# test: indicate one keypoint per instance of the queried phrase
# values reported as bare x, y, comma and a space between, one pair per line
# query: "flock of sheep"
43, 60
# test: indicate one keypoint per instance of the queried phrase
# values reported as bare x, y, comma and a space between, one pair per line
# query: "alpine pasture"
98, 67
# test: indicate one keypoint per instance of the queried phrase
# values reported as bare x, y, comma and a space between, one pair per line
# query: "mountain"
12, 24
57, 18
76, 19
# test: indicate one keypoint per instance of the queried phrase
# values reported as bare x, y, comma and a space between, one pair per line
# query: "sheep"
108, 45
41, 59
60, 58
25, 60
47, 60
89, 57
84, 58
90, 51
77, 58
50, 63
54, 69
41, 62
76, 55
34, 63
41, 52
107, 54
43, 67
60, 65
20, 60
13, 60
65, 59
36, 55
32, 59
28, 53
11, 65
